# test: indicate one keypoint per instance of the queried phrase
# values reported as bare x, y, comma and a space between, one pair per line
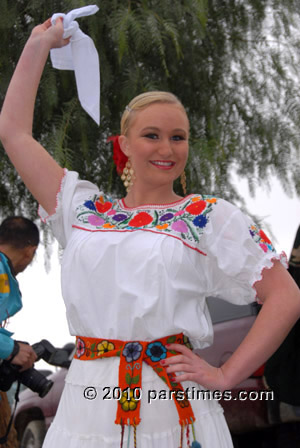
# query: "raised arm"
39, 171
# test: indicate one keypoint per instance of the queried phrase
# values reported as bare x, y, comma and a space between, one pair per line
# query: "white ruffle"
236, 259
213, 430
268, 263
42, 212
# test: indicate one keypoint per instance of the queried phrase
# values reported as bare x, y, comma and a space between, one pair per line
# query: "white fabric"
82, 423
140, 285
81, 56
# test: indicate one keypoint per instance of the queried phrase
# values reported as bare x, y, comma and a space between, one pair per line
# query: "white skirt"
86, 414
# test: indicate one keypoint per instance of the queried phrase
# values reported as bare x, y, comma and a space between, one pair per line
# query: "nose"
165, 148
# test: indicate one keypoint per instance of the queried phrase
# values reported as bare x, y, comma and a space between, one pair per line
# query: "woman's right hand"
52, 33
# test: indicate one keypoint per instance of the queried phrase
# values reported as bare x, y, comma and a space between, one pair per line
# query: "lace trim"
282, 257
43, 216
147, 206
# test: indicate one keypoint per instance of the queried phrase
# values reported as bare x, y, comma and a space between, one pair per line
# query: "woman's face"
157, 144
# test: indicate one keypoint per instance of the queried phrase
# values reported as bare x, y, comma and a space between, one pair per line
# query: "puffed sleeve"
237, 253
71, 194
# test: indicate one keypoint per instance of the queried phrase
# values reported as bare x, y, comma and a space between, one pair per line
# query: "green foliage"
233, 64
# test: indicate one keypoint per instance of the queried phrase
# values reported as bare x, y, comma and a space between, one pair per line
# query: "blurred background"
234, 65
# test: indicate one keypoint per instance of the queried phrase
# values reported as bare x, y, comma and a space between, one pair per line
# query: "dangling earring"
128, 176
183, 182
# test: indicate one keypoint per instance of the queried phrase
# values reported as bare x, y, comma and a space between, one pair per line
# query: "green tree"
233, 64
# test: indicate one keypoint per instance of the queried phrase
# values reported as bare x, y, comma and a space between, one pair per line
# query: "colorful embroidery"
156, 351
104, 347
185, 220
132, 355
80, 348
261, 238
128, 402
132, 351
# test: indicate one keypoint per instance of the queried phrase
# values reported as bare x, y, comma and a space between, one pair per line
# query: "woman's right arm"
39, 171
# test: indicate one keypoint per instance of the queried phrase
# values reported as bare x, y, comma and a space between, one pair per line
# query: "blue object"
10, 303
196, 444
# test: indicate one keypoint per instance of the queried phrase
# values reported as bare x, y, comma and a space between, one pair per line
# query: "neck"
160, 195
19, 258
10, 253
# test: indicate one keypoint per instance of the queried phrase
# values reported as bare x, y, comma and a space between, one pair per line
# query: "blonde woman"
136, 273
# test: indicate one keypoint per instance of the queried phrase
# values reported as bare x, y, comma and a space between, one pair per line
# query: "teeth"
163, 163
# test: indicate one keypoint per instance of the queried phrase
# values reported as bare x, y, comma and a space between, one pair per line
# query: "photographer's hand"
25, 358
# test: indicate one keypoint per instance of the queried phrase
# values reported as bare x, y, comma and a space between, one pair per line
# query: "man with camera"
19, 239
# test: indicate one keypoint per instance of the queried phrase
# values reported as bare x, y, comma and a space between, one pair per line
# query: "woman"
135, 277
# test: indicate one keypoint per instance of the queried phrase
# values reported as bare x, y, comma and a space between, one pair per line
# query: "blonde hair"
144, 100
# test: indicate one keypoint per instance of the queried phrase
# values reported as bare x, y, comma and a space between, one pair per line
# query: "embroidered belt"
132, 354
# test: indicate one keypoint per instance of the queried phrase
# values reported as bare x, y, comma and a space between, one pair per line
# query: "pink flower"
96, 220
80, 347
264, 247
180, 212
180, 226
111, 212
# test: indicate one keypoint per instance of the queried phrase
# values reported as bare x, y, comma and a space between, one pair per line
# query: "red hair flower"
119, 157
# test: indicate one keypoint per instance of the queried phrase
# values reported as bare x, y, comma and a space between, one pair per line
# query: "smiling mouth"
162, 164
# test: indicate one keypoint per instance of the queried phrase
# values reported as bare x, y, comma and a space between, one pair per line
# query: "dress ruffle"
42, 213
268, 264
82, 423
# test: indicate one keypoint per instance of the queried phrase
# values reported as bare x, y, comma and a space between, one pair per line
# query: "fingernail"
163, 362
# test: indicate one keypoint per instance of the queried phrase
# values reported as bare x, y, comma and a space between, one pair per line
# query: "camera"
32, 378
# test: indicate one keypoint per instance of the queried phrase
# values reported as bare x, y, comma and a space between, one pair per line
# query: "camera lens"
36, 381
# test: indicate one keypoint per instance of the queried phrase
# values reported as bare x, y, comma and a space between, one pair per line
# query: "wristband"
15, 351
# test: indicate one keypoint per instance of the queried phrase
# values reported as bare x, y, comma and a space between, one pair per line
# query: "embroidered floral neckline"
184, 219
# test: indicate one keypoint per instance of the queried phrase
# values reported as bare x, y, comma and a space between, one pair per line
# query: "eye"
178, 138
152, 136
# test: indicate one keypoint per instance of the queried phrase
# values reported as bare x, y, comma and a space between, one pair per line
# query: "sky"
43, 314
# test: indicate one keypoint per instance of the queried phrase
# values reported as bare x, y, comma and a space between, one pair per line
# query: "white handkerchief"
81, 56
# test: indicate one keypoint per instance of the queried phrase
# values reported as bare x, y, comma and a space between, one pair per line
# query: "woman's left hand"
193, 368
280, 311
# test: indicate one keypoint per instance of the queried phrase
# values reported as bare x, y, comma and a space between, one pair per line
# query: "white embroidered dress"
142, 274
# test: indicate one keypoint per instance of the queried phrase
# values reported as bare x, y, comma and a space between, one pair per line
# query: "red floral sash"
132, 354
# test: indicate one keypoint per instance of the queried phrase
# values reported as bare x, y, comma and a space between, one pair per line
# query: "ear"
30, 252
124, 145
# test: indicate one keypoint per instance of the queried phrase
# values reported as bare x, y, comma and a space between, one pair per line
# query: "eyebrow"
154, 128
